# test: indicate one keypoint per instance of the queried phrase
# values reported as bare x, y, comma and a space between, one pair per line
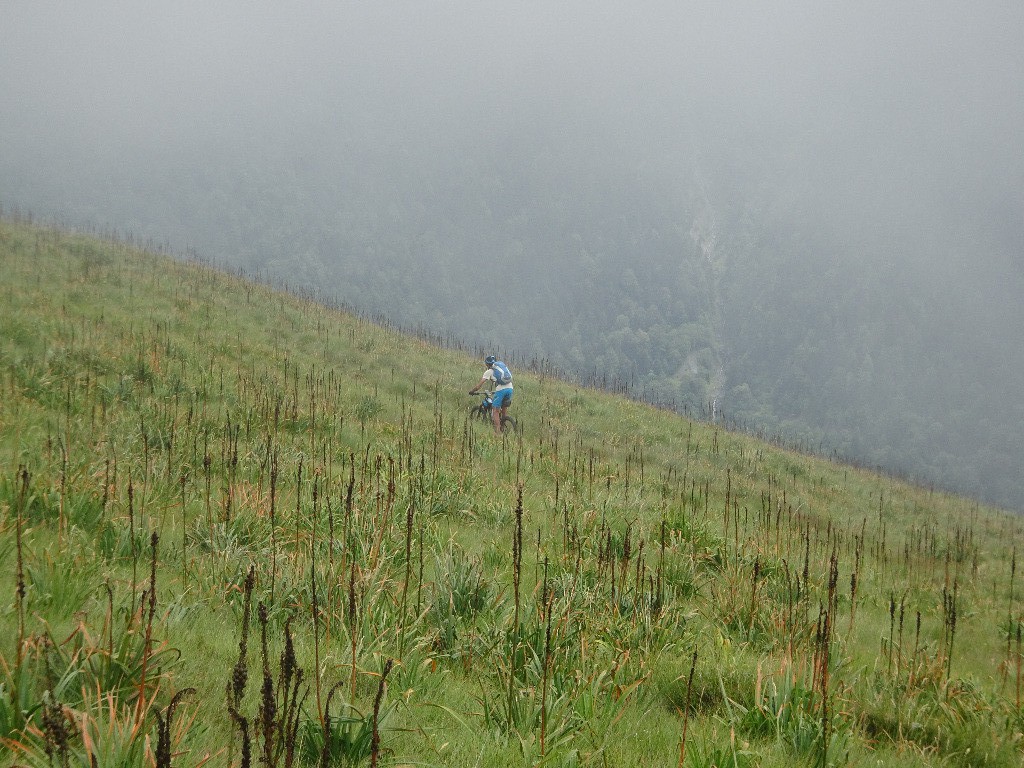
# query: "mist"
811, 214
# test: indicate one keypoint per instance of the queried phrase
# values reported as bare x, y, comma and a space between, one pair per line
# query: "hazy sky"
896, 124
858, 80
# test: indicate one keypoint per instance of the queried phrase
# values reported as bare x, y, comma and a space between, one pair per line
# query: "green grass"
255, 431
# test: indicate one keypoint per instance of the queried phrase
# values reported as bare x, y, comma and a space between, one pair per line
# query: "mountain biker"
500, 377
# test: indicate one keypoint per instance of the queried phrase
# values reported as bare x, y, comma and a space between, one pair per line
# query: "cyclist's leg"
502, 400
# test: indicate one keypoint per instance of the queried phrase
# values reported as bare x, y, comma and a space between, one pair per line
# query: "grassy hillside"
234, 521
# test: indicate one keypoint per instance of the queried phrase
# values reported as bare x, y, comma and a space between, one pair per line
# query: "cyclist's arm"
483, 382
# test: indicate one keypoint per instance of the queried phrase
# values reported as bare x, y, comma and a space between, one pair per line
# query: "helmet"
490, 359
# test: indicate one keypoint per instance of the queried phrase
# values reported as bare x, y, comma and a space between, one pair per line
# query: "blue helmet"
490, 359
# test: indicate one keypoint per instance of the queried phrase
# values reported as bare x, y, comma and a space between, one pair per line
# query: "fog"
887, 112
864, 156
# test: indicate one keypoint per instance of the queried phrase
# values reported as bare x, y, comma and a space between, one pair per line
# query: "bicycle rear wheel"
508, 424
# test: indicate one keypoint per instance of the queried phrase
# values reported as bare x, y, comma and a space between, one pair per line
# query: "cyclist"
498, 376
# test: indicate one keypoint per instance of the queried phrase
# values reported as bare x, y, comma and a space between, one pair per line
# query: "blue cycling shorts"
502, 398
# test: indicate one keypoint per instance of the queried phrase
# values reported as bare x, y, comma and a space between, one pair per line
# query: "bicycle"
483, 412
